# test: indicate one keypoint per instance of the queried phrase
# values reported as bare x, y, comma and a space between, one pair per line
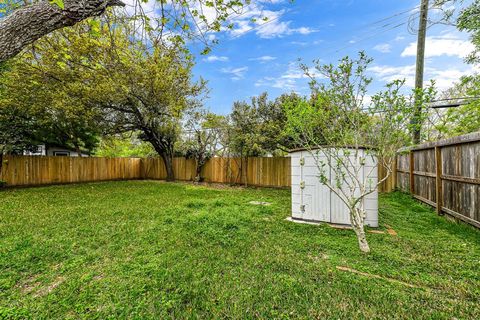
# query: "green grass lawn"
143, 249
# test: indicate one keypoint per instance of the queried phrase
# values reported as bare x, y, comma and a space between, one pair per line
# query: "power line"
366, 38
396, 24
392, 16
395, 15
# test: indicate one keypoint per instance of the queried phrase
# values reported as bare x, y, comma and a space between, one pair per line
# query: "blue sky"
263, 56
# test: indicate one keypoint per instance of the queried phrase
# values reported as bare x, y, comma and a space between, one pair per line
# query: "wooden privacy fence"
265, 172
34, 170
446, 175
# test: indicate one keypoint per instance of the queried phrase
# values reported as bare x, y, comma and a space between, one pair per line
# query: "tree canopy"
100, 80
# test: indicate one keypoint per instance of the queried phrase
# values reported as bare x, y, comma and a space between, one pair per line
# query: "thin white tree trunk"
357, 217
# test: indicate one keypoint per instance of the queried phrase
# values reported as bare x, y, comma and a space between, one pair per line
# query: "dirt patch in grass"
48, 289
29, 285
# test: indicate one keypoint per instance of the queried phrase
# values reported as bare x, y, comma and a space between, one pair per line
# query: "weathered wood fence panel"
154, 169
32, 170
389, 184
446, 175
267, 172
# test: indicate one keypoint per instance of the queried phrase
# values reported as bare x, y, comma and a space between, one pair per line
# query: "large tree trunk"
31, 22
168, 161
165, 151
200, 162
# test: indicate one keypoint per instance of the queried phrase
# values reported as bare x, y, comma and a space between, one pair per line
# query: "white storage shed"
313, 201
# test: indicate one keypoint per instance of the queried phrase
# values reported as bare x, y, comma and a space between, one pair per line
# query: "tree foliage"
102, 79
124, 146
258, 127
203, 138
40, 85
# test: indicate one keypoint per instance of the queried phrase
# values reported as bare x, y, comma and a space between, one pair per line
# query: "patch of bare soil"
48, 289
29, 285
391, 231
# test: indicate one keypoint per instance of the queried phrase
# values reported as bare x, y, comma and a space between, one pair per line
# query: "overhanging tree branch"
29, 23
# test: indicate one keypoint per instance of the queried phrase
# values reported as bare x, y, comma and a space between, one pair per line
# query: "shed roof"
324, 147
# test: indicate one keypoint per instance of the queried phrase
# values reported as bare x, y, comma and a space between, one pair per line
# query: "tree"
468, 21
17, 132
202, 138
455, 120
25, 22
258, 127
148, 91
17, 126
125, 84
349, 133
272, 122
246, 139
129, 146
34, 89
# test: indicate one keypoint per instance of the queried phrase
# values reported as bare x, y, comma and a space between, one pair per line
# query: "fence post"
438, 179
412, 177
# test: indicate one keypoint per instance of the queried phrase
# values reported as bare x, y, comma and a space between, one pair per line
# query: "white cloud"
299, 43
215, 58
290, 79
294, 72
267, 24
279, 83
149, 8
241, 27
390, 73
263, 59
446, 45
444, 78
383, 48
236, 73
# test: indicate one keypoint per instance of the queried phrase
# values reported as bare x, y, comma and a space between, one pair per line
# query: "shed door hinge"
302, 185
302, 161
302, 208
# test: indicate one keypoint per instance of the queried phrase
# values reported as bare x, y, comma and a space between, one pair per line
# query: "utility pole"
422, 33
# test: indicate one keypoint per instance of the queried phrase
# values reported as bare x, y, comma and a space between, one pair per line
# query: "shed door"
318, 194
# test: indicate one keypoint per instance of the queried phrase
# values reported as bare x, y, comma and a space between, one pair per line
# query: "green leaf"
58, 3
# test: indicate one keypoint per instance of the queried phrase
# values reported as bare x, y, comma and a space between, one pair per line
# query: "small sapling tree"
349, 137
